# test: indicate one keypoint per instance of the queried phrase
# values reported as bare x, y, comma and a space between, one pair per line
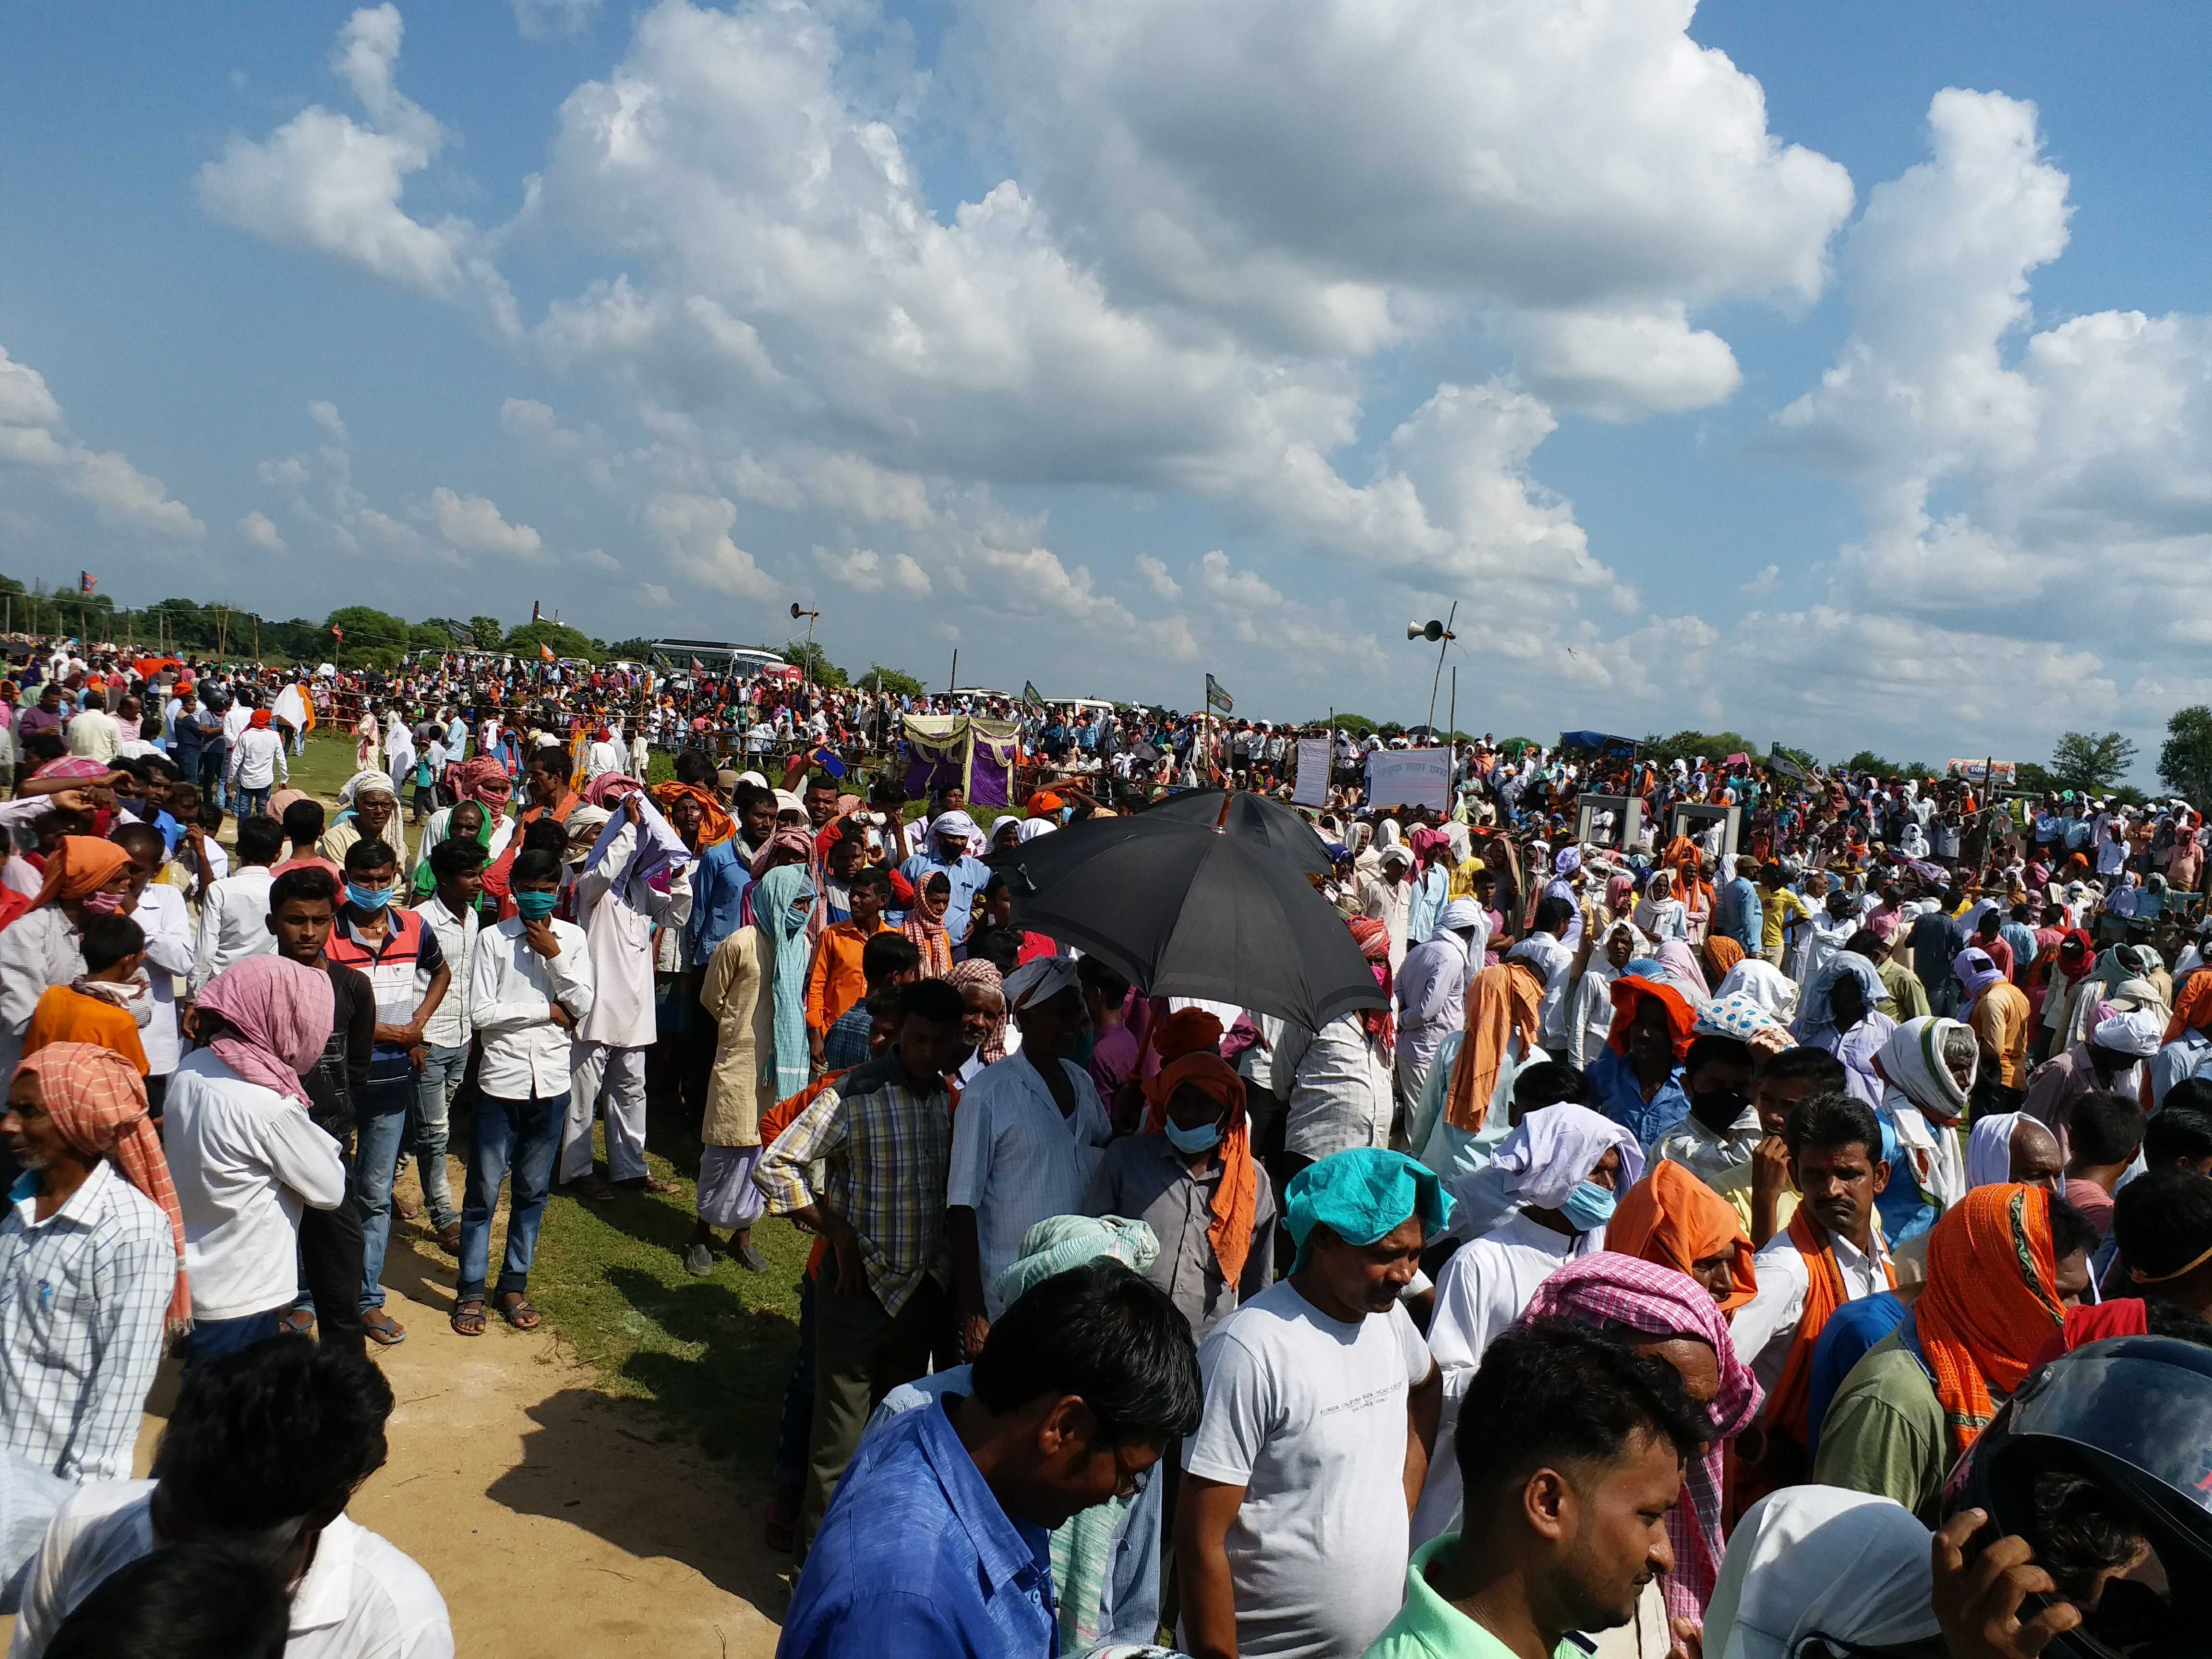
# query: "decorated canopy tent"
977, 755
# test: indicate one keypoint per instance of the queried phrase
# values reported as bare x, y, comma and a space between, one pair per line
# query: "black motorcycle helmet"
2123, 1430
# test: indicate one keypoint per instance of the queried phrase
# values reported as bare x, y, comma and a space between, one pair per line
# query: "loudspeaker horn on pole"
1431, 630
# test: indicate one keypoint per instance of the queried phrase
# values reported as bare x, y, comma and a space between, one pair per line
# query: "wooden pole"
952, 682
257, 642
221, 629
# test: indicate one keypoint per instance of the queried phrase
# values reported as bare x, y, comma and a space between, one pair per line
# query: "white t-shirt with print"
1307, 1415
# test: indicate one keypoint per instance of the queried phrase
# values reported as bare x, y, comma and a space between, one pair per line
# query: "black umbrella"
1182, 909
1268, 822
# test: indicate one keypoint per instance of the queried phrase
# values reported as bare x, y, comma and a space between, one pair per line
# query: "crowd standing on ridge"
1761, 1212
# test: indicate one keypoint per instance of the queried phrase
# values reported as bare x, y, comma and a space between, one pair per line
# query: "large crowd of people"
1760, 1209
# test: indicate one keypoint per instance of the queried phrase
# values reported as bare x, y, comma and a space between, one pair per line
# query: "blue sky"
1836, 374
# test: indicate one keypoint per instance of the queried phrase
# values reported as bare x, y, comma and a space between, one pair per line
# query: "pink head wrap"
1610, 1289
609, 787
282, 1013
790, 836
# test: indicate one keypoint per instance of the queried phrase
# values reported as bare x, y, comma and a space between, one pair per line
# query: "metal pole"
1451, 717
955, 680
1442, 645
810, 651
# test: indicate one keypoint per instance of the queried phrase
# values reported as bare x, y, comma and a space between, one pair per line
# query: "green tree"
565, 640
486, 632
2185, 759
821, 669
638, 649
370, 635
898, 683
1867, 761
2093, 761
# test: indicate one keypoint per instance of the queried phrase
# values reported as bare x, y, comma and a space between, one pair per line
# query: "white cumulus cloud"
34, 441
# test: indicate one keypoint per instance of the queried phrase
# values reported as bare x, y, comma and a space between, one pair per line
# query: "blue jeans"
210, 1339
381, 1120
524, 1136
434, 1088
253, 803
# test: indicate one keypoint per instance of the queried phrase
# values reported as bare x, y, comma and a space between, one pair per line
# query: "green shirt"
1430, 1627
1884, 1432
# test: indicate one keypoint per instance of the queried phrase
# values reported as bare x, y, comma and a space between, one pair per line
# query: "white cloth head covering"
1764, 983
1989, 1149
367, 782
1032, 828
788, 801
1912, 1063
1398, 853
2137, 1034
1038, 981
754, 779
1387, 833
945, 825
1555, 1148
1821, 1559
998, 823
1462, 912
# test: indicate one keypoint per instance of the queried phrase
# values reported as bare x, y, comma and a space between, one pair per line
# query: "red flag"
338, 632
545, 651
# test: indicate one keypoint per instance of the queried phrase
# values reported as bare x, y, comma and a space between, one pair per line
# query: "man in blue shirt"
1738, 915
950, 837
937, 1546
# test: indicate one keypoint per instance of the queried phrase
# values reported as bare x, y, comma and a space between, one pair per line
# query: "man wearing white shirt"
93, 733
245, 1156
1029, 1132
1546, 948
451, 914
234, 909
311, 1411
1836, 1161
531, 984
158, 910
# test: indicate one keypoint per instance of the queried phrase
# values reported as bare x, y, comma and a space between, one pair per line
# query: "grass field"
711, 1353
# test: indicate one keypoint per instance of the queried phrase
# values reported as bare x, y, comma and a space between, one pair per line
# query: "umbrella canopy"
1268, 822
1182, 910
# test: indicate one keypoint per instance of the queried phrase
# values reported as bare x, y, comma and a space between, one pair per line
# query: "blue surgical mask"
1589, 1205
1204, 1138
535, 907
368, 898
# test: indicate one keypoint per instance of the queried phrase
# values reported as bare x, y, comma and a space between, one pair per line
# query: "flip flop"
379, 1327
467, 1323
301, 1322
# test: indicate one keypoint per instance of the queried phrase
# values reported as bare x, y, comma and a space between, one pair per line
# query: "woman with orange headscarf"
1672, 1218
41, 946
1639, 1077
1189, 1174
2004, 1264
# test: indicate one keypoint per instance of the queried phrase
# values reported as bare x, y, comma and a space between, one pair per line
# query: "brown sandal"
467, 1323
515, 1308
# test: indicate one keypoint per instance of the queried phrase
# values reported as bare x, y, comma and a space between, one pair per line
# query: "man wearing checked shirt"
884, 1135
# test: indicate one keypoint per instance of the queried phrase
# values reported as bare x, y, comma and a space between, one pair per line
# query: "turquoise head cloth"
1060, 1243
1362, 1194
783, 898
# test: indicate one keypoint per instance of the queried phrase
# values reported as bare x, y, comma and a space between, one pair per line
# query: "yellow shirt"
1780, 906
1999, 1018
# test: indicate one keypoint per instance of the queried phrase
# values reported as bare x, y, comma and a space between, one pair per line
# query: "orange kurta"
67, 1015
834, 980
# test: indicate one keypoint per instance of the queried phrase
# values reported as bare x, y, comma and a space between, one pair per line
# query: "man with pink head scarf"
243, 1154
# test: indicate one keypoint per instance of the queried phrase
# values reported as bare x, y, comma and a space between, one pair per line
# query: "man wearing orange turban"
1189, 1174
1672, 1218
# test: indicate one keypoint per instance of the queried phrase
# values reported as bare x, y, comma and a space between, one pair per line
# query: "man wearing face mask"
530, 982
1024, 1142
1190, 1176
1722, 1129
1568, 1166
391, 946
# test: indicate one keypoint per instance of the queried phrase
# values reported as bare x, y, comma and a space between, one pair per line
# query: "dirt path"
553, 1518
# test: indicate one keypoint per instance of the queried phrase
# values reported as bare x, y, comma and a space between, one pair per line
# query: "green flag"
1031, 696
1218, 701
